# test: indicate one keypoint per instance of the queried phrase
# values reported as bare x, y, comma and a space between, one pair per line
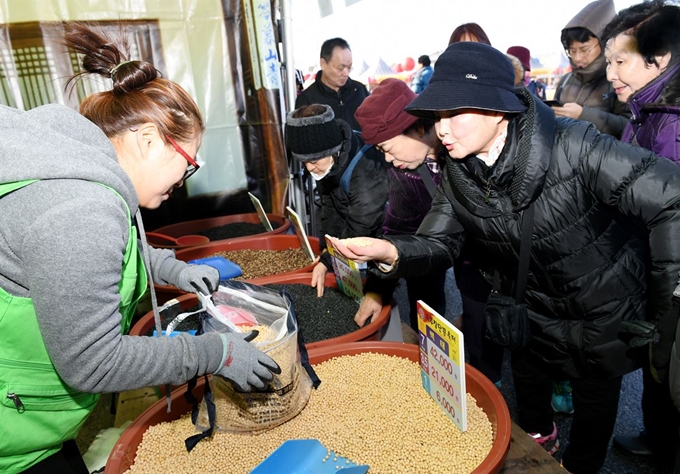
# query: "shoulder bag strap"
524, 257
347, 175
427, 179
525, 253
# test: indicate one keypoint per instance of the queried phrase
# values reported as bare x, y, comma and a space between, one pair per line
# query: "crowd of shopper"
592, 183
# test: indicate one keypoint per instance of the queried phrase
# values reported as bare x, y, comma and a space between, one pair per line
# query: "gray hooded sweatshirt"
62, 240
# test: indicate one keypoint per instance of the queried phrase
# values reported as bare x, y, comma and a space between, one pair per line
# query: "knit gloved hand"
243, 364
195, 278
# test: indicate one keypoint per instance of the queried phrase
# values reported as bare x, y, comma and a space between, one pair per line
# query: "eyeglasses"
583, 51
192, 167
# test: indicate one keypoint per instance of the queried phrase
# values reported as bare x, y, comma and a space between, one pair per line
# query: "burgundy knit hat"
521, 53
381, 115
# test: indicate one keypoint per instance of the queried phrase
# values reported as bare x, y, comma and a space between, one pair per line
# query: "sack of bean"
243, 307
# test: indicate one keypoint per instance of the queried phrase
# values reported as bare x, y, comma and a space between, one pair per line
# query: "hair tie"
116, 67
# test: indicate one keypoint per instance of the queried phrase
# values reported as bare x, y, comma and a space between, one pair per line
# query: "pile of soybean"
370, 408
319, 319
236, 229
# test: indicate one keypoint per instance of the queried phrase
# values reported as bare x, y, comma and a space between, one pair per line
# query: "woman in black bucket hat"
600, 220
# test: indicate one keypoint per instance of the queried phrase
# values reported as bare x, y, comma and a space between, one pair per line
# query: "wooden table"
527, 456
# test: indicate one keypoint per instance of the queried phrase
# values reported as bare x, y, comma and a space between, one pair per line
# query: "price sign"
442, 363
301, 234
347, 273
260, 212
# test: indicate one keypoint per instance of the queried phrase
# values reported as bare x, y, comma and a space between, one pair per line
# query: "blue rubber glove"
245, 366
195, 278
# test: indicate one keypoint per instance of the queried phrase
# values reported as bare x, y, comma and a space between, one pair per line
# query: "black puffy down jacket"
605, 245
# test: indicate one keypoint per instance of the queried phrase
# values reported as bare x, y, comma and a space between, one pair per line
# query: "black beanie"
315, 137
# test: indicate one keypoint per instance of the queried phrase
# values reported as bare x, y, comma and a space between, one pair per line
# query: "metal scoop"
183, 241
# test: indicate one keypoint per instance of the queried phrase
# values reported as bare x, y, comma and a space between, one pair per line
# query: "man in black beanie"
351, 177
577, 230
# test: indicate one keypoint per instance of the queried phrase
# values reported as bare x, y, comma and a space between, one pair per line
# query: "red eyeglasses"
192, 167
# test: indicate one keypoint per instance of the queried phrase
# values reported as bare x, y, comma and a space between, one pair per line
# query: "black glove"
639, 333
658, 336
245, 366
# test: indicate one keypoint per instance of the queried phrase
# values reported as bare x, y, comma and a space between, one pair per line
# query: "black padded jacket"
359, 211
605, 246
344, 102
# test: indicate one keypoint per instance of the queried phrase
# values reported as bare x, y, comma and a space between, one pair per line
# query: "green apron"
38, 411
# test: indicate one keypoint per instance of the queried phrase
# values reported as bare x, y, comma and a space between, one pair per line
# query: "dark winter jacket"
655, 123
408, 204
361, 211
589, 87
537, 89
344, 102
603, 209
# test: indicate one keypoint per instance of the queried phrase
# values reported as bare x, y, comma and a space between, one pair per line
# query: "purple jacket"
655, 126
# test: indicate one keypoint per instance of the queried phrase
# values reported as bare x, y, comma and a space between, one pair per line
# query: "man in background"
333, 86
585, 92
422, 76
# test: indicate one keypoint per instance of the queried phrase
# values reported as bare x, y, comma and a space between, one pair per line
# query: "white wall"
196, 57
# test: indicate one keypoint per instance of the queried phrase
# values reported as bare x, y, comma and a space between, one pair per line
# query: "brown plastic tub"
196, 226
372, 331
147, 322
487, 395
260, 242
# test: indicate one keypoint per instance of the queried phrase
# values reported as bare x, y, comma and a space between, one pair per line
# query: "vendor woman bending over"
71, 266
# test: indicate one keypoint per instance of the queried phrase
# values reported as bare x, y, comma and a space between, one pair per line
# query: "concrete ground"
629, 419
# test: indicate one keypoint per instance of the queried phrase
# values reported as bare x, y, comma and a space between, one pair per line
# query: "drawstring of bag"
152, 291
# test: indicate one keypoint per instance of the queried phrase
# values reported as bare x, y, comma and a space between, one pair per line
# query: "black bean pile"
319, 319
260, 263
237, 229
169, 314
323, 318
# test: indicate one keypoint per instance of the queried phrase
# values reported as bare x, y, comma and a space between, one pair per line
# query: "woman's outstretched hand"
364, 249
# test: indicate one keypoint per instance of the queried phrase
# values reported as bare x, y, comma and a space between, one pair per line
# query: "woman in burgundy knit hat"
411, 145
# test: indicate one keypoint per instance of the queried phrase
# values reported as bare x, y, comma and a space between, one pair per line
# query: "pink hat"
381, 115
521, 53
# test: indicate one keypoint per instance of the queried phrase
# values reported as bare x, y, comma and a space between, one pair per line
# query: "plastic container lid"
227, 268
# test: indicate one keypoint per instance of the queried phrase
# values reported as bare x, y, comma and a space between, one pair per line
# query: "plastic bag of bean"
249, 307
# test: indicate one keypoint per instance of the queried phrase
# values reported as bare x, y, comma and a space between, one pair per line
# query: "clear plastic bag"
242, 307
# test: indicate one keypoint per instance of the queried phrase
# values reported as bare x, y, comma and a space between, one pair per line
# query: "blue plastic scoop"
227, 268
306, 456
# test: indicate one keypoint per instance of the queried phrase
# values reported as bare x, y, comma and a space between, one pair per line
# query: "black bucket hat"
469, 75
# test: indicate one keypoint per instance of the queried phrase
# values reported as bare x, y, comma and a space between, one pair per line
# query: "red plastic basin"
369, 332
196, 226
260, 242
487, 395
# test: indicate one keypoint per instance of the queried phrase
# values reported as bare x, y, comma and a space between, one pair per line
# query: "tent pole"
296, 194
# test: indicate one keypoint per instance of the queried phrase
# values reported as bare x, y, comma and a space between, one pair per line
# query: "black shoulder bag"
506, 318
